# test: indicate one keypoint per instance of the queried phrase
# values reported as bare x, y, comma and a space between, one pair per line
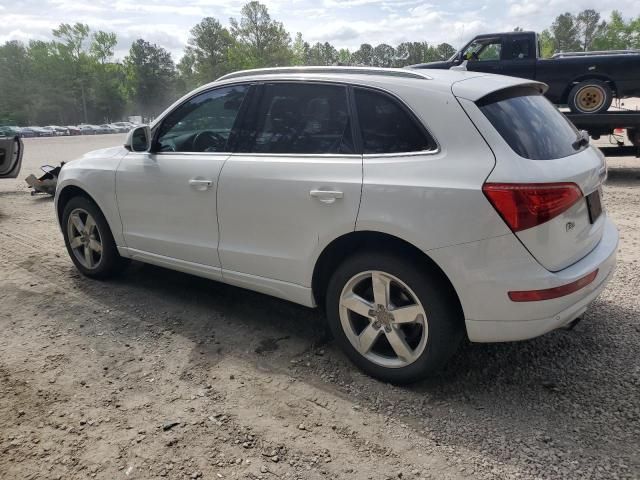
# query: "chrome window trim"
299, 155
348, 83
402, 154
209, 154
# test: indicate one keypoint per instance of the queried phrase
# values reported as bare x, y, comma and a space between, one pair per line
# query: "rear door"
294, 182
540, 154
11, 148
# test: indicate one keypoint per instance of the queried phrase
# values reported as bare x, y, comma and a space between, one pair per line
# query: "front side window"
203, 123
386, 127
298, 118
530, 124
483, 50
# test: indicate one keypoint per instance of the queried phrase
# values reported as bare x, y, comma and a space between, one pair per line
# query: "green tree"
445, 51
566, 33
344, 56
151, 76
383, 56
619, 34
363, 56
209, 47
411, 53
590, 28
102, 46
15, 79
72, 47
547, 44
299, 51
187, 75
260, 40
322, 54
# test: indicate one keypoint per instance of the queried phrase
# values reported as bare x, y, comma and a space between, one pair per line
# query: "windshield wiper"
581, 140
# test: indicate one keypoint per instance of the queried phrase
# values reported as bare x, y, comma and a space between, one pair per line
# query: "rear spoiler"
475, 88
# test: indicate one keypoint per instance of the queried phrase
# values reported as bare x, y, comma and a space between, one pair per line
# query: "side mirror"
139, 139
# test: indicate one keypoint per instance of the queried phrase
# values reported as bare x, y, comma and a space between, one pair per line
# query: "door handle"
199, 184
326, 196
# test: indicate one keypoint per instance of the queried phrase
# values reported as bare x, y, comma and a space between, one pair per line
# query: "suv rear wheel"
395, 321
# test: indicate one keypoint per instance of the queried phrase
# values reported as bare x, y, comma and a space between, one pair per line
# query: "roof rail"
389, 72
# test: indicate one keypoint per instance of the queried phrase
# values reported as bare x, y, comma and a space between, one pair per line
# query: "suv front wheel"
396, 321
89, 240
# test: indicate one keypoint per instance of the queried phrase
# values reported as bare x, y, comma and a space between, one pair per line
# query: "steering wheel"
208, 141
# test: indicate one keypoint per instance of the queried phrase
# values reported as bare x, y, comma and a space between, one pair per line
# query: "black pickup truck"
585, 81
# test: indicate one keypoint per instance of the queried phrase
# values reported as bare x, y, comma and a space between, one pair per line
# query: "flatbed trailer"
598, 124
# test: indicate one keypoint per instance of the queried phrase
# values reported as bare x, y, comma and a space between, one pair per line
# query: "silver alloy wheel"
383, 319
84, 238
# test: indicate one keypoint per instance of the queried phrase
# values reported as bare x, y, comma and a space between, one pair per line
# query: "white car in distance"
416, 207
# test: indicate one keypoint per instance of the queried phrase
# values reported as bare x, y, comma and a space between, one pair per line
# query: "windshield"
531, 125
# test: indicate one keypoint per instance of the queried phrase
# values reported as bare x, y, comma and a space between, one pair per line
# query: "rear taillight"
525, 205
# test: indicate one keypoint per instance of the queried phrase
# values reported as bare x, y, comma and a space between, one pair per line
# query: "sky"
344, 23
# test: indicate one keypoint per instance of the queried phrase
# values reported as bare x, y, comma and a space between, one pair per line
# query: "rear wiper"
581, 140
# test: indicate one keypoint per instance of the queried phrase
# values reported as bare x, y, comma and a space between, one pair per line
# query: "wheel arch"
67, 193
340, 248
588, 76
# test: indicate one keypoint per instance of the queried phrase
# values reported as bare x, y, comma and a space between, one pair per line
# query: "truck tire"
590, 96
633, 134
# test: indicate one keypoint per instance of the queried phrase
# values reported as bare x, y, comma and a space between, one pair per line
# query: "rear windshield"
530, 124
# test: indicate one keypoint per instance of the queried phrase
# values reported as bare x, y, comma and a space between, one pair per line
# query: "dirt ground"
160, 374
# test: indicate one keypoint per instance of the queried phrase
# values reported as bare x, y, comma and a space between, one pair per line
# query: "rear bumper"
483, 272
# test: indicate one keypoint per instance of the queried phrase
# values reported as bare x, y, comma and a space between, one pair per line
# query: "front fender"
97, 179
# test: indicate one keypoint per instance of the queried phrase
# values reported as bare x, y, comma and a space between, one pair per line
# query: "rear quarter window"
530, 124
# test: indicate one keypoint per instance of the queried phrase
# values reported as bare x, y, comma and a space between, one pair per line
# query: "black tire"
633, 134
590, 96
110, 262
444, 318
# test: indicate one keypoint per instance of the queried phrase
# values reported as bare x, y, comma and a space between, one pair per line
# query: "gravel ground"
163, 375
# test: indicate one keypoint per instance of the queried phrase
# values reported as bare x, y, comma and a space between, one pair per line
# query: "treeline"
74, 78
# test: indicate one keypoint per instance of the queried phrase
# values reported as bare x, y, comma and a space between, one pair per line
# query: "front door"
294, 183
483, 55
167, 197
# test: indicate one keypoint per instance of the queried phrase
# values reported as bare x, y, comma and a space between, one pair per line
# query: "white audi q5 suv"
416, 207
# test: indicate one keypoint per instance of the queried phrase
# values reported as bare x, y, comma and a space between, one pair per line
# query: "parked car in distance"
106, 128
585, 81
57, 130
349, 188
87, 129
73, 130
9, 131
120, 127
42, 132
27, 132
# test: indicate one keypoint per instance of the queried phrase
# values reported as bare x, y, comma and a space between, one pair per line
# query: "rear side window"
387, 127
298, 118
530, 124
